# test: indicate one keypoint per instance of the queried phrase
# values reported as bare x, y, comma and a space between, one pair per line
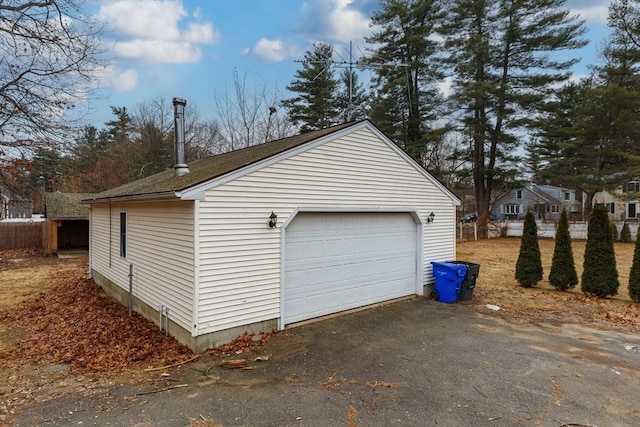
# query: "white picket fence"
577, 230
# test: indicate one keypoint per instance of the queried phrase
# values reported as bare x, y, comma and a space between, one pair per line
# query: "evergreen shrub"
599, 274
529, 265
563, 275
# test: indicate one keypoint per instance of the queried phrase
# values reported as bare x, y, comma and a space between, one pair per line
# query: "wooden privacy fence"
16, 235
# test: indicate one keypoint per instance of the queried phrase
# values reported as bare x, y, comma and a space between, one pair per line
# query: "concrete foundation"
198, 343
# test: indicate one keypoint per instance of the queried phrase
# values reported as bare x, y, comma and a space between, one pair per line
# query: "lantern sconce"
273, 220
431, 217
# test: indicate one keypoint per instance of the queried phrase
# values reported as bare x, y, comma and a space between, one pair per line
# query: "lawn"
496, 284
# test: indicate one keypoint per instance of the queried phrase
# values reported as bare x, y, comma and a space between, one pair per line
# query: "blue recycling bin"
449, 277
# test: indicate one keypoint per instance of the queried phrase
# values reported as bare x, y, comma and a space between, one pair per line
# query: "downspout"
110, 236
89, 273
130, 288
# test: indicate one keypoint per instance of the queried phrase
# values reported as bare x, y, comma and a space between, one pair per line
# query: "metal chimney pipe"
180, 168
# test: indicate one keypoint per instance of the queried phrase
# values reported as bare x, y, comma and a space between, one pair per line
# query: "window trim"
511, 209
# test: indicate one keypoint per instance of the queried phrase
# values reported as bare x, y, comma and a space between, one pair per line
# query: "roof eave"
167, 195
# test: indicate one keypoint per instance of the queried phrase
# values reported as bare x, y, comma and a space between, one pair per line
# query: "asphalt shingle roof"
66, 205
212, 167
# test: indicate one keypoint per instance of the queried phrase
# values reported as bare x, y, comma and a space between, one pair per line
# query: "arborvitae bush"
614, 232
625, 233
634, 275
563, 269
529, 266
599, 275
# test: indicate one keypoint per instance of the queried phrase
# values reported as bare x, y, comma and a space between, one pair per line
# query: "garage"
275, 234
339, 261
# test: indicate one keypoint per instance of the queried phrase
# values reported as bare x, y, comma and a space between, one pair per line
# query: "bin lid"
459, 269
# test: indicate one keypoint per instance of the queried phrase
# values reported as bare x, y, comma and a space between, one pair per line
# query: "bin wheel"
434, 295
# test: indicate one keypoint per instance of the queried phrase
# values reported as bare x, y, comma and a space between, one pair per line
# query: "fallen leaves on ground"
11, 258
20, 253
78, 324
243, 344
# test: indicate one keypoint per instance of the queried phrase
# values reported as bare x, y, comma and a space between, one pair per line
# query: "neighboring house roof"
542, 195
166, 184
61, 206
538, 193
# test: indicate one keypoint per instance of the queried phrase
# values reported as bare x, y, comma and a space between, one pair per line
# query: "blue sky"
191, 48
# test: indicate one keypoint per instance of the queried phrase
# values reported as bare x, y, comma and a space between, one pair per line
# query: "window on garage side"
123, 234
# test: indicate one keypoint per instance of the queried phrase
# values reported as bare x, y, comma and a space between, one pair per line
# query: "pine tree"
563, 270
352, 99
315, 105
529, 266
493, 44
614, 232
588, 140
634, 274
599, 274
406, 96
625, 234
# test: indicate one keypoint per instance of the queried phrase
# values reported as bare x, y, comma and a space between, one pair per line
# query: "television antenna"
350, 65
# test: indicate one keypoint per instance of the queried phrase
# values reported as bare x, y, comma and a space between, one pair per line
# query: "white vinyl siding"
160, 247
240, 265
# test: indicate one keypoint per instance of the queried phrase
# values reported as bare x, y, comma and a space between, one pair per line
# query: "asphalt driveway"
412, 363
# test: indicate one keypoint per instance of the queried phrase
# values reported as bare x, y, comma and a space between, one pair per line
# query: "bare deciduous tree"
247, 117
49, 55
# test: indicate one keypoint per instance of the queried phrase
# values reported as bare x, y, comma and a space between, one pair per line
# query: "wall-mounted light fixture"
273, 220
431, 217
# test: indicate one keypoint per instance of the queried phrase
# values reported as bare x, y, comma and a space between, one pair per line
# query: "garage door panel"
334, 262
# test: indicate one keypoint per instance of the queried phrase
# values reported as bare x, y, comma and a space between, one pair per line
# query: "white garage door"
338, 261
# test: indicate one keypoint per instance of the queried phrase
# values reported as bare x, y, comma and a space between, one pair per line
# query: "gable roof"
66, 205
539, 192
211, 167
166, 184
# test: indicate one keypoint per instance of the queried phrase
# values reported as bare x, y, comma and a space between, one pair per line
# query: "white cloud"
593, 11
159, 52
347, 23
333, 20
267, 50
592, 14
119, 80
152, 31
200, 33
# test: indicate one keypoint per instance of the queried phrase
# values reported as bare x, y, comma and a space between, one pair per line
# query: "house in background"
68, 221
274, 234
12, 207
545, 201
623, 204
